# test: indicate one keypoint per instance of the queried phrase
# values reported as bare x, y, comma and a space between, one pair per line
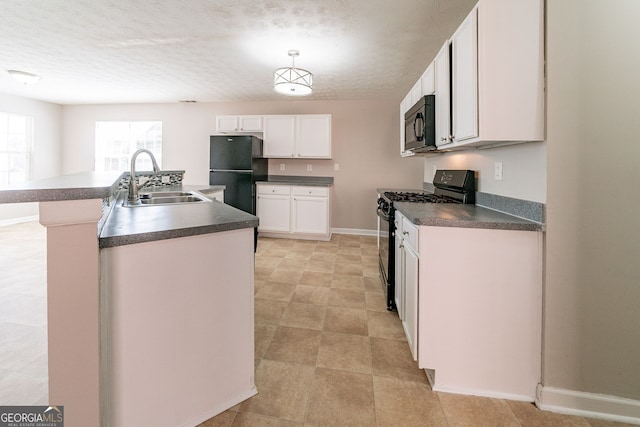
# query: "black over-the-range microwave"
420, 125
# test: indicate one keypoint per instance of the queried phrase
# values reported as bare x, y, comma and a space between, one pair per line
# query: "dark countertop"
85, 185
319, 181
463, 216
126, 225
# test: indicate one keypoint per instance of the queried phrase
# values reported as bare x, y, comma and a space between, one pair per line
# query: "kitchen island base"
177, 329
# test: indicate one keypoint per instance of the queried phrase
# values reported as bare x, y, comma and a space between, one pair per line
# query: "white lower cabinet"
407, 280
274, 210
480, 310
294, 211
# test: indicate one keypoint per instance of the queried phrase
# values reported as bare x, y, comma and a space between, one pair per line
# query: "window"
117, 141
16, 145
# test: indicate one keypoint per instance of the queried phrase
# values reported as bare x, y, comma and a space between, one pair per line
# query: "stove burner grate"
419, 197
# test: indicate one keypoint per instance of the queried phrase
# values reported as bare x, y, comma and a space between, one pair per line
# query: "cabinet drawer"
311, 191
410, 234
274, 189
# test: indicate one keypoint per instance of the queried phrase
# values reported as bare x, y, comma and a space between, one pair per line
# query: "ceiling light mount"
293, 81
24, 77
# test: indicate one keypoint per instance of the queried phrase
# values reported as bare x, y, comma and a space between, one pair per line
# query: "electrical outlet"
281, 166
309, 167
498, 171
166, 179
336, 167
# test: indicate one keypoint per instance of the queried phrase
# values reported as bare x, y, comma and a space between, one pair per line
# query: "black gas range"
451, 186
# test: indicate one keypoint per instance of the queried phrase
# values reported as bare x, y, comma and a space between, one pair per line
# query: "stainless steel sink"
167, 198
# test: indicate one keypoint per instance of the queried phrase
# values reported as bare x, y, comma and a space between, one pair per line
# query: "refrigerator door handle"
232, 170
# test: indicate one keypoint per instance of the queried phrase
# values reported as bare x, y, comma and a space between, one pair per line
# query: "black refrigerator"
237, 163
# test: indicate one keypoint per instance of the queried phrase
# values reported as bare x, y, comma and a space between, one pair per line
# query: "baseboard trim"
19, 220
483, 393
356, 231
589, 405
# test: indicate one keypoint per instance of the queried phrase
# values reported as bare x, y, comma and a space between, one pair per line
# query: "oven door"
386, 255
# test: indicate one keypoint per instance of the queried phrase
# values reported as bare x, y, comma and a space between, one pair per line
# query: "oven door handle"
420, 117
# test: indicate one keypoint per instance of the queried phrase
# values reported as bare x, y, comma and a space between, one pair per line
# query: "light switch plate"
282, 166
498, 171
309, 167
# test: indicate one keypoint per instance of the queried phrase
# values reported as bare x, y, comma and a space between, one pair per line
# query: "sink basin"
165, 194
172, 199
167, 198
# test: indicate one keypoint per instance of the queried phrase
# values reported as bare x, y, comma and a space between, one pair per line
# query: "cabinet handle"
405, 233
401, 246
443, 138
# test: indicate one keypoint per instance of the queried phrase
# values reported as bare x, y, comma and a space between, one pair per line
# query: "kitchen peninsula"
150, 309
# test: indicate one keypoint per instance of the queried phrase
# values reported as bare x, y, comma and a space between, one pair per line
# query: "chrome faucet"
133, 186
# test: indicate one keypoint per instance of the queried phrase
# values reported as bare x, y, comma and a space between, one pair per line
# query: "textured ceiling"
122, 51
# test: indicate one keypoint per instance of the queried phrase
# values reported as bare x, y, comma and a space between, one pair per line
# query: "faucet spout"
133, 186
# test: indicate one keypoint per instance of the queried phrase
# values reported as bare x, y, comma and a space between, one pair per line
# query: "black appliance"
420, 126
237, 163
451, 186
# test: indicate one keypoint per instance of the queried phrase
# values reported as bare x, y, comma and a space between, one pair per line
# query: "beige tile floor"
329, 354
327, 351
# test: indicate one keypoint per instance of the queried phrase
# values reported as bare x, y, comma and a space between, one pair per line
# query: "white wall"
592, 314
524, 169
364, 135
47, 145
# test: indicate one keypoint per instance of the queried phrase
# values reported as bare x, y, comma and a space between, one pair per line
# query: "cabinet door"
416, 93
410, 319
250, 123
279, 136
443, 96
428, 81
310, 215
399, 275
314, 136
274, 213
464, 77
226, 123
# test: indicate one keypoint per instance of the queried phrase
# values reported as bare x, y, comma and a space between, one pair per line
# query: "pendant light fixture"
293, 81
24, 77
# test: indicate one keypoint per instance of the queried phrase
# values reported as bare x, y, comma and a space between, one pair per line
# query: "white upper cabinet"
464, 79
279, 136
302, 136
313, 139
427, 81
498, 75
443, 96
226, 124
489, 77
